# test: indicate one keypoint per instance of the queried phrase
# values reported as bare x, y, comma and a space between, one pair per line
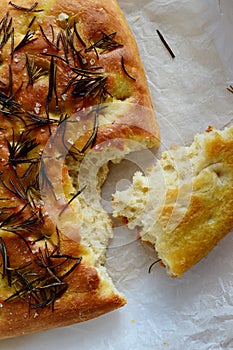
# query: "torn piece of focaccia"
184, 205
71, 82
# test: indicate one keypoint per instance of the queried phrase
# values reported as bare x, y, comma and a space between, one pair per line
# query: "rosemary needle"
165, 44
230, 89
124, 69
154, 263
31, 9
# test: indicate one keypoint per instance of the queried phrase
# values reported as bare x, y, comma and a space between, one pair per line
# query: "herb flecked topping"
41, 281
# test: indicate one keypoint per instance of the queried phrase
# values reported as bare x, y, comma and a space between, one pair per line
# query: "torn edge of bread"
184, 204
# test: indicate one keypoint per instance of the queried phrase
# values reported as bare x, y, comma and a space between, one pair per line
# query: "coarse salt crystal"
63, 17
37, 108
92, 61
70, 141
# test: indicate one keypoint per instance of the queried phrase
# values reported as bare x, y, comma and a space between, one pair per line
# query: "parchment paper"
189, 93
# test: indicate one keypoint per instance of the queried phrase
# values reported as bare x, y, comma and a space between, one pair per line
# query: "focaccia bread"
184, 205
71, 82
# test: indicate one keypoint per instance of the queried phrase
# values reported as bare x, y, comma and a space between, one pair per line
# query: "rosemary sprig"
30, 9
17, 223
8, 104
88, 82
27, 39
69, 42
41, 282
5, 30
16, 189
69, 37
104, 44
50, 42
90, 85
19, 149
14, 109
66, 38
35, 121
25, 188
34, 72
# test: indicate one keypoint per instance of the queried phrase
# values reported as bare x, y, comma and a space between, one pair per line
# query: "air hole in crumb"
218, 173
123, 185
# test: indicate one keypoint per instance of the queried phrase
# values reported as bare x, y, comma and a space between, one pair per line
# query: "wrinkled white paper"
189, 93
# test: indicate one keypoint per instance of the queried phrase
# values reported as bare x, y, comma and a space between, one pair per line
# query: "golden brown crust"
208, 217
48, 49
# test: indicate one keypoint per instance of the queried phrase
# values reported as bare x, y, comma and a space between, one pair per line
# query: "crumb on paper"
135, 19
165, 343
132, 321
